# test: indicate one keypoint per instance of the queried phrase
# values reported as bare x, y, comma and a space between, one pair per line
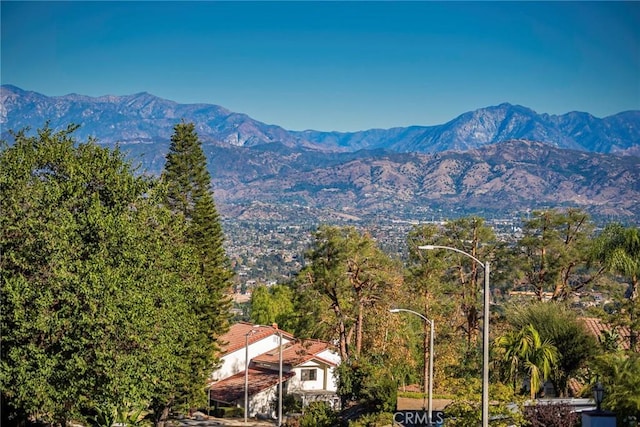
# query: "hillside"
498, 161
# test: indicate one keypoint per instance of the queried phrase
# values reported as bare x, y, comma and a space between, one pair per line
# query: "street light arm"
429, 391
485, 329
398, 310
460, 251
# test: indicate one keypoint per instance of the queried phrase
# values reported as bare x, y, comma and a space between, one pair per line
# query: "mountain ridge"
143, 117
501, 160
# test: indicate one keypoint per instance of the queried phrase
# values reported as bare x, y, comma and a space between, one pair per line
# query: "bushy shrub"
469, 414
365, 383
318, 414
557, 415
379, 419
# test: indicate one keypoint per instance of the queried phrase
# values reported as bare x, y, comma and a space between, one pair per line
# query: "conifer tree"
188, 192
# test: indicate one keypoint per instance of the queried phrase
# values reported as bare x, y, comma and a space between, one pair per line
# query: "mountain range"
499, 160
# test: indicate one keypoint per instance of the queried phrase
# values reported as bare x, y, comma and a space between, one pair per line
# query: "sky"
342, 66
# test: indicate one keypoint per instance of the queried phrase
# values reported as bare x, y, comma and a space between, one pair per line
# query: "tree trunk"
359, 328
344, 347
164, 415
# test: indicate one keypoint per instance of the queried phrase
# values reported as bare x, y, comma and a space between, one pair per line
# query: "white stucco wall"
324, 377
260, 403
329, 355
234, 362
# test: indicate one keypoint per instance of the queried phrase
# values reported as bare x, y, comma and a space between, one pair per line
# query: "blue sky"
332, 65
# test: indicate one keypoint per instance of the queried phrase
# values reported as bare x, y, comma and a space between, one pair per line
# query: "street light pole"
485, 329
280, 379
246, 374
431, 335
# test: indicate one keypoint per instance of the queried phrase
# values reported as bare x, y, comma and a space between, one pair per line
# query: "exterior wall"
234, 362
329, 355
332, 380
324, 378
261, 403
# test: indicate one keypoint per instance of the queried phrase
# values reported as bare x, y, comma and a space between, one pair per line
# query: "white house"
307, 369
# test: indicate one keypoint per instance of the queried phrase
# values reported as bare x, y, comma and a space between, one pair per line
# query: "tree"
426, 292
348, 277
558, 324
474, 237
271, 305
447, 286
188, 193
620, 376
524, 352
554, 251
97, 284
345, 293
617, 249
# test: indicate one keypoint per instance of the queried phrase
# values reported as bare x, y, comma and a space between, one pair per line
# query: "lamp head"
394, 310
598, 394
426, 247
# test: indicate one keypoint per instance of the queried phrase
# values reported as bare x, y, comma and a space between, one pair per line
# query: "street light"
246, 372
598, 395
279, 375
485, 329
430, 391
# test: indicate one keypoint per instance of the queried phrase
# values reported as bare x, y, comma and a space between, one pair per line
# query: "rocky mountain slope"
144, 118
506, 178
496, 161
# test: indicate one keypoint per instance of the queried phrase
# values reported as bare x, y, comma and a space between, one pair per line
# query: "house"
312, 362
307, 369
620, 336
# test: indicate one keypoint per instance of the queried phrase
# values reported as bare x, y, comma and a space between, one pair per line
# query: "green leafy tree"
617, 250
524, 352
345, 293
97, 284
447, 286
348, 277
620, 376
272, 305
474, 237
556, 323
425, 291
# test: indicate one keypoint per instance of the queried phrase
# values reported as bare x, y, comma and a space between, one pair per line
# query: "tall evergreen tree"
188, 185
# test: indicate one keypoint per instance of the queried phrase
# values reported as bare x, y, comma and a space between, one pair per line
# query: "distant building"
307, 369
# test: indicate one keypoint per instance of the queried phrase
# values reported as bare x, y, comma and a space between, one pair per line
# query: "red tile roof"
597, 326
235, 338
296, 354
231, 389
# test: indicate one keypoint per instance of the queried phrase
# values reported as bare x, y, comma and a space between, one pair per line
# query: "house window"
308, 375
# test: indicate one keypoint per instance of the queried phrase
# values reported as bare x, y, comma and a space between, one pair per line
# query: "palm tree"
620, 375
524, 352
618, 251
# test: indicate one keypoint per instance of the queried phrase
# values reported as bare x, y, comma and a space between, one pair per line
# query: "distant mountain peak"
502, 159
113, 119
